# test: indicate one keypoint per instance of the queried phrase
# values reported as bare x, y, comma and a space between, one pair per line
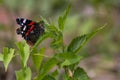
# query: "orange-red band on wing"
28, 32
32, 23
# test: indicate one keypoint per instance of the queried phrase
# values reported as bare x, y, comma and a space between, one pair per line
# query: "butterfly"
30, 30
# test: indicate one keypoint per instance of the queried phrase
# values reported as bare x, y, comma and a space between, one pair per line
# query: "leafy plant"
65, 57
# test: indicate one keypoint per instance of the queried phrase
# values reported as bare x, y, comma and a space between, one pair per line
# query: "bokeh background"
102, 53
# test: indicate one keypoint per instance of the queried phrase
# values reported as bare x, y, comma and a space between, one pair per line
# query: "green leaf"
78, 42
24, 51
24, 74
21, 48
52, 29
38, 57
1, 57
63, 56
55, 44
26, 54
56, 35
80, 74
45, 68
62, 19
48, 77
57, 40
68, 59
70, 62
8, 55
45, 21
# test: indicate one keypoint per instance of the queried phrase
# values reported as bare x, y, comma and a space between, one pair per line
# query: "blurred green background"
102, 53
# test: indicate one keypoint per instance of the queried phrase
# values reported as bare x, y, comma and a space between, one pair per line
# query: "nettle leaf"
45, 68
21, 48
45, 21
1, 57
26, 54
80, 74
68, 59
62, 19
57, 40
51, 28
24, 51
56, 35
55, 44
48, 77
78, 42
8, 55
24, 74
38, 57
70, 62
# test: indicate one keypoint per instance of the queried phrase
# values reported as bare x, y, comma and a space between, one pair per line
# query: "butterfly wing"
29, 30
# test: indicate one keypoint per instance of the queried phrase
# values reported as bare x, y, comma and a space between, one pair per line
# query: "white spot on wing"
22, 32
24, 21
22, 24
24, 28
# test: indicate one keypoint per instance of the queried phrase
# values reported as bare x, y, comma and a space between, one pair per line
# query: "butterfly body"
30, 30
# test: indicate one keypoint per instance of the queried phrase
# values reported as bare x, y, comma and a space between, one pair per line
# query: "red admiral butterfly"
30, 30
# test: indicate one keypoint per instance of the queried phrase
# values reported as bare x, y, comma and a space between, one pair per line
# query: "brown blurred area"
102, 53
